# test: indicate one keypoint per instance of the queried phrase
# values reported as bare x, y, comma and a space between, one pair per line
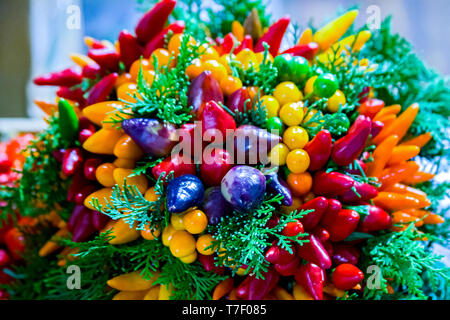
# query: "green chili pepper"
68, 121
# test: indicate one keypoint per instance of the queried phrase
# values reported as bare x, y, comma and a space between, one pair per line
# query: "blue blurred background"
38, 35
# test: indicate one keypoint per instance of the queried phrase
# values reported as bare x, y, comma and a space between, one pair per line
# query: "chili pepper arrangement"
319, 168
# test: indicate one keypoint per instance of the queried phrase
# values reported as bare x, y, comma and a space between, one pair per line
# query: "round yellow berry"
278, 154
182, 244
297, 161
292, 113
335, 102
287, 92
203, 242
295, 137
272, 106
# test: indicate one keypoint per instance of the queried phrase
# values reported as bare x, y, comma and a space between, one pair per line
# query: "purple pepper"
183, 193
215, 205
244, 188
83, 228
277, 185
153, 137
204, 88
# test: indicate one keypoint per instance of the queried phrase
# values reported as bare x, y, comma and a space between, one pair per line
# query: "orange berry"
299, 183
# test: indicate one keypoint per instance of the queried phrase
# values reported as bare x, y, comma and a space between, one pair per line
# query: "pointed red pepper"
313, 251
180, 165
158, 41
365, 192
341, 224
78, 181
240, 100
376, 219
107, 58
247, 43
319, 205
321, 233
331, 184
101, 91
65, 78
273, 36
288, 269
72, 161
83, 228
319, 150
371, 107
99, 220
307, 51
255, 289
349, 148
346, 276
92, 71
130, 49
277, 255
84, 193
227, 44
208, 264
215, 118
215, 166
203, 89
76, 95
311, 277
154, 20
377, 126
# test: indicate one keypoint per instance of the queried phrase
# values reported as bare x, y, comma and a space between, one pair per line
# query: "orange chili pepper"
223, 288
51, 246
237, 30
400, 126
419, 141
402, 188
394, 109
232, 295
433, 218
392, 201
47, 107
387, 120
397, 173
403, 153
381, 156
403, 217
418, 177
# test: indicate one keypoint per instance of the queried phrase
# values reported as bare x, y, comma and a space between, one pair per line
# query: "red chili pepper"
377, 126
99, 220
84, 193
341, 224
255, 289
5, 259
307, 51
4, 295
203, 89
72, 161
331, 184
287, 269
208, 264
83, 227
314, 252
348, 148
72, 94
215, 118
65, 78
311, 277
346, 276
90, 166
15, 242
319, 150
345, 253
293, 229
85, 134
76, 213
371, 107
102, 89
92, 71
215, 166
78, 181
247, 43
277, 255
364, 190
5, 165
377, 219
96, 44
273, 36
158, 41
321, 233
180, 165
153, 21
107, 58
227, 44
312, 219
240, 100
130, 49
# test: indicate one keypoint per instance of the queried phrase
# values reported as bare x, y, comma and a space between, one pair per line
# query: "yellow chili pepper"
394, 109
103, 196
333, 291
403, 153
123, 233
331, 32
51, 246
82, 60
238, 30
300, 293
419, 141
153, 293
418, 177
132, 281
103, 141
306, 36
282, 294
223, 288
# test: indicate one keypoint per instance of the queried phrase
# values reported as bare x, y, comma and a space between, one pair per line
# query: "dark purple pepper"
215, 206
278, 186
183, 193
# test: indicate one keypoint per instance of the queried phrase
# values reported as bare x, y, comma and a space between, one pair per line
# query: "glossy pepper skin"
313, 251
130, 49
278, 255
331, 184
311, 277
319, 205
209, 265
255, 289
319, 150
346, 276
273, 36
107, 58
153, 137
239, 100
371, 107
68, 121
65, 78
153, 21
183, 193
203, 89
247, 43
364, 190
72, 161
216, 120
277, 185
180, 165
215, 206
72, 94
215, 166
348, 148
158, 41
344, 253
307, 51
341, 224
377, 219
83, 227
101, 91
227, 44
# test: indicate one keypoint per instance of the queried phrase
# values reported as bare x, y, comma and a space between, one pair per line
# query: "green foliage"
246, 237
404, 259
257, 115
